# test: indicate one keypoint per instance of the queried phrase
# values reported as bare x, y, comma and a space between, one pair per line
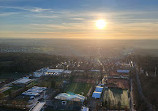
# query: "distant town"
77, 84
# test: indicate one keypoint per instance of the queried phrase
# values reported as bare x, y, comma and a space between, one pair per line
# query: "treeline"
26, 62
148, 63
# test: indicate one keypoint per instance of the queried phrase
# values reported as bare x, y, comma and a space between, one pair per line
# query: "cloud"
36, 20
8, 13
30, 9
39, 10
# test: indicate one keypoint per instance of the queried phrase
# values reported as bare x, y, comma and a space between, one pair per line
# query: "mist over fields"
80, 47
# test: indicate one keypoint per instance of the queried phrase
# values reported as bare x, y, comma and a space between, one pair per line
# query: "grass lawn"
78, 88
116, 96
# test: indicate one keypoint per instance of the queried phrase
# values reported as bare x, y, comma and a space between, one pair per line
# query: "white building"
67, 71
54, 72
75, 97
47, 71
84, 108
34, 91
22, 81
40, 72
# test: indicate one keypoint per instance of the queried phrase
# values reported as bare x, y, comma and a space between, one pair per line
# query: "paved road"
38, 107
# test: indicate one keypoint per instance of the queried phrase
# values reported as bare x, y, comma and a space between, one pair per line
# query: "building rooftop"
96, 95
123, 71
98, 89
34, 91
65, 96
22, 81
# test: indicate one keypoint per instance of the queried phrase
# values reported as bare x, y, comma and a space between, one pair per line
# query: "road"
38, 107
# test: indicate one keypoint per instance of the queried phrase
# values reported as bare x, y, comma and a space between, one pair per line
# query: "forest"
26, 62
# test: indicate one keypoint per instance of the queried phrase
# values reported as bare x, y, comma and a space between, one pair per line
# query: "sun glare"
100, 24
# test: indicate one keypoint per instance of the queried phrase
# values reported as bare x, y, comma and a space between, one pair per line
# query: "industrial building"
50, 72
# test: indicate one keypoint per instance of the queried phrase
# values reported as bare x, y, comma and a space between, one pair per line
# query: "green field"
78, 88
116, 98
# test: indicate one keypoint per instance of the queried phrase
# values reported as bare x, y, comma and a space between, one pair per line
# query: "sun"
100, 24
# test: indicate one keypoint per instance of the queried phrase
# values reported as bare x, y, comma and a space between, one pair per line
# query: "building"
40, 72
97, 93
78, 70
98, 89
47, 71
123, 71
84, 108
34, 91
70, 97
54, 72
67, 72
94, 70
22, 81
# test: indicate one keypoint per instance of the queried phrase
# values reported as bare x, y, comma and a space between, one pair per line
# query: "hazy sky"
126, 19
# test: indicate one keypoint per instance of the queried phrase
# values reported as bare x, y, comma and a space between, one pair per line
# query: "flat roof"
123, 71
55, 70
96, 94
22, 81
67, 71
34, 91
98, 89
69, 96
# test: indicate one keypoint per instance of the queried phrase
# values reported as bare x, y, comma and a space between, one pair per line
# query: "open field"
78, 88
116, 98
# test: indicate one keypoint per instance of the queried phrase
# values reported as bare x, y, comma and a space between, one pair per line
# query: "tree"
53, 84
119, 105
1, 95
